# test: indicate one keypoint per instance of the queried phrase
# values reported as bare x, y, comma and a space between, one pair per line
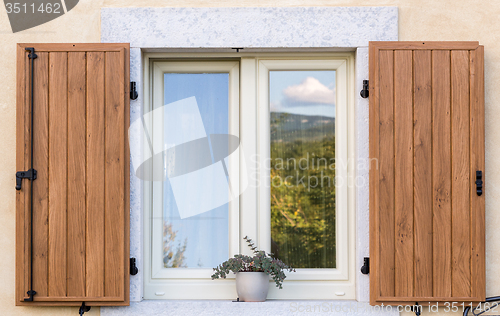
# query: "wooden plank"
460, 204
41, 185
114, 157
477, 163
76, 173
374, 173
441, 173
126, 175
422, 190
58, 175
403, 148
21, 107
386, 174
95, 255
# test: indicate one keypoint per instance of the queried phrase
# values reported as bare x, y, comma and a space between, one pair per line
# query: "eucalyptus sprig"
259, 262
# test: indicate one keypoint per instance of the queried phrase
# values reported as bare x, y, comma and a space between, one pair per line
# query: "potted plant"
252, 273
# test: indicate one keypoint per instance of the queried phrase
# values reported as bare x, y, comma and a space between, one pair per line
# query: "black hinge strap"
31, 173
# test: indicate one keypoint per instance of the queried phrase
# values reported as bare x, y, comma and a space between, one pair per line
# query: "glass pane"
194, 237
303, 167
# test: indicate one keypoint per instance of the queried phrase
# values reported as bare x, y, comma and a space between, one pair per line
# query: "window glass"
302, 105
195, 237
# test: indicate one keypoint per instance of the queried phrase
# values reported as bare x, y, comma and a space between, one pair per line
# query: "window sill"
228, 307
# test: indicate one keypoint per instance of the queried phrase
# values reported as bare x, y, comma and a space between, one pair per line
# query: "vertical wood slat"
58, 176
114, 158
422, 167
439, 223
95, 254
76, 172
374, 124
460, 173
477, 164
441, 166
403, 148
77, 212
386, 165
40, 189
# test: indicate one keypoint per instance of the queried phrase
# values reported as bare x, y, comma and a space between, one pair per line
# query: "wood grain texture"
80, 207
76, 172
114, 158
460, 203
374, 173
441, 172
41, 186
58, 172
422, 169
21, 107
95, 234
477, 164
387, 176
437, 230
403, 166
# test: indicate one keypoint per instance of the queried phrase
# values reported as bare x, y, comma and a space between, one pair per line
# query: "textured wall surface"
418, 20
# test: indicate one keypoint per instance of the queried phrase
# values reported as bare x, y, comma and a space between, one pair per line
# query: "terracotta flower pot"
252, 286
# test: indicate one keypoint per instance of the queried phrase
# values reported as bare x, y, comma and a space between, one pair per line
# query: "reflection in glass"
201, 240
303, 167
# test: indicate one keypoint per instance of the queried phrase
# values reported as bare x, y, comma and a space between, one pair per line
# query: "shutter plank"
460, 173
477, 163
114, 156
441, 166
403, 147
386, 165
422, 141
41, 185
58, 176
76, 172
95, 175
21, 108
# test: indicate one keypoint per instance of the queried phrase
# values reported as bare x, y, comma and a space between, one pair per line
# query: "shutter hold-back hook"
83, 309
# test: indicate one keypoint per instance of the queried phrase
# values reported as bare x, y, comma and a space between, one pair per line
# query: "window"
283, 183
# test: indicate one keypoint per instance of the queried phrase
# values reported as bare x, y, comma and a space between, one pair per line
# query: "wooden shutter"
81, 194
426, 144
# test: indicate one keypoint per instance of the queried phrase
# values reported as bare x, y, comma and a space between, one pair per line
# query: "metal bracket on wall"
133, 267
133, 91
365, 269
83, 309
365, 93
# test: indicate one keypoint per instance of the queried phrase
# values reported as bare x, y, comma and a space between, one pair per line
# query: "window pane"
199, 239
303, 167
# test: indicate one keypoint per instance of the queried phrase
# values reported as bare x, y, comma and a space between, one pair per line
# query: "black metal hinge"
133, 91
133, 267
479, 183
20, 175
365, 269
365, 93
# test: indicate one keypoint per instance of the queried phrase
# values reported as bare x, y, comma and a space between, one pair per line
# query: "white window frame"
253, 126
